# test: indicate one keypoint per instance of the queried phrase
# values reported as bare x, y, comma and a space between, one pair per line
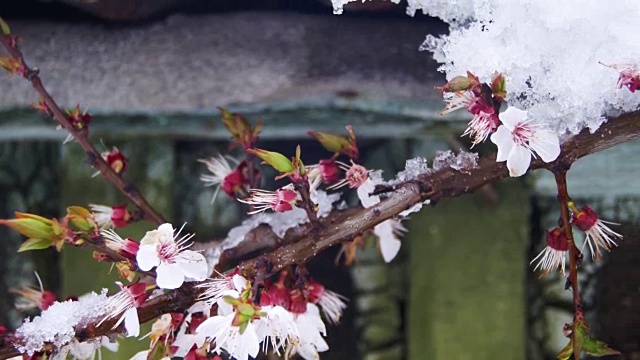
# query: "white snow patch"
56, 325
279, 222
548, 52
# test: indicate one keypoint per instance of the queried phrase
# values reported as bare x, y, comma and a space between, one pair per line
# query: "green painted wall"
467, 266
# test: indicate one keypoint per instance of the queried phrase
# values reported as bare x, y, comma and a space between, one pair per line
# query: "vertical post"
467, 263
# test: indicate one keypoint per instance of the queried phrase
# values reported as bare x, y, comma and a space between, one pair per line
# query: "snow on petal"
518, 161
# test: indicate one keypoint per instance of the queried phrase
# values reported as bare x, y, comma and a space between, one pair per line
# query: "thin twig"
574, 253
80, 136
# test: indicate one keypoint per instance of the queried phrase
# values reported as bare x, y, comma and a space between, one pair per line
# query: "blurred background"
152, 72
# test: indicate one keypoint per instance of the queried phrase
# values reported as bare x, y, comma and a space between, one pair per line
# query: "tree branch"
301, 243
574, 253
80, 136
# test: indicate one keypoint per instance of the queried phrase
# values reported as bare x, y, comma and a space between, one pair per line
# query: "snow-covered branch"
343, 225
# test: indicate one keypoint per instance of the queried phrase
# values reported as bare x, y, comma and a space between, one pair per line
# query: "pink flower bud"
137, 292
116, 160
315, 290
235, 180
298, 303
120, 216
584, 219
329, 171
48, 298
557, 240
130, 248
277, 294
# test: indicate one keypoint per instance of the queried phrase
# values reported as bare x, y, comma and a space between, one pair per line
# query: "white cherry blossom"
517, 139
168, 253
311, 329
277, 328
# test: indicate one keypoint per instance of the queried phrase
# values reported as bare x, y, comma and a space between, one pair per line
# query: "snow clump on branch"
56, 324
548, 51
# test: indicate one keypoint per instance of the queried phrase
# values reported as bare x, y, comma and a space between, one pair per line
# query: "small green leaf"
276, 160
20, 215
30, 227
332, 142
79, 211
593, 346
77, 223
499, 85
35, 244
5, 27
565, 354
246, 309
243, 327
230, 300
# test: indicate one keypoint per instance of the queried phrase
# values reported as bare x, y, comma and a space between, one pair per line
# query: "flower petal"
239, 282
512, 117
546, 144
131, 322
364, 190
147, 257
213, 325
193, 265
107, 344
518, 161
503, 138
167, 231
388, 241
251, 340
169, 276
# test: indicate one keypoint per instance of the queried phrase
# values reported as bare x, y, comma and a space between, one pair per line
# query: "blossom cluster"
285, 319
597, 236
517, 137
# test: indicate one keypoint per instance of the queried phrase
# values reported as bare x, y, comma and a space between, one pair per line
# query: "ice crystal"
465, 161
56, 325
443, 159
412, 168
